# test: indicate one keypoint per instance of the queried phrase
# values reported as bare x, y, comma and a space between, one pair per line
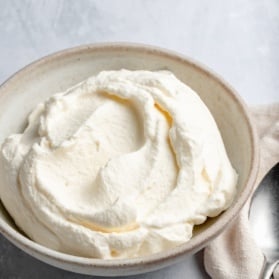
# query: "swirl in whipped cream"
123, 164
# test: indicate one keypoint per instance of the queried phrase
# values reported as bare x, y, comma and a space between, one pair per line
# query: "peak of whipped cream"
123, 164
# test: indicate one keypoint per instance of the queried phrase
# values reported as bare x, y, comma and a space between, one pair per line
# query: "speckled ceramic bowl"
58, 71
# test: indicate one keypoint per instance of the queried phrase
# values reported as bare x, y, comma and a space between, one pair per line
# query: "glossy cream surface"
123, 164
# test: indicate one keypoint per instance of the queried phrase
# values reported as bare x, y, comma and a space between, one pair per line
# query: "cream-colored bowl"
61, 70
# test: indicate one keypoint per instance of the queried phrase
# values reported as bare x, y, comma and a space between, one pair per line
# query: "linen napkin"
234, 254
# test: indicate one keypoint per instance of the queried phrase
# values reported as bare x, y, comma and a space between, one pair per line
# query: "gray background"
238, 39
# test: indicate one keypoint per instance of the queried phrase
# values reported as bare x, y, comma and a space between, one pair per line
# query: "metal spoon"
264, 219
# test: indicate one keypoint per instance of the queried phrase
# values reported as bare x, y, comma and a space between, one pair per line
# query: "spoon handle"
268, 269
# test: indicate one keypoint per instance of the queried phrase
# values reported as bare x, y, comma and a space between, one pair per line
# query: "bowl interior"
26, 89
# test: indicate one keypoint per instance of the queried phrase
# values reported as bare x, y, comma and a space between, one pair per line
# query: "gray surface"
238, 39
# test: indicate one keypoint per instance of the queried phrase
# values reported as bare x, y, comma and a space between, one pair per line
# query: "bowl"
57, 72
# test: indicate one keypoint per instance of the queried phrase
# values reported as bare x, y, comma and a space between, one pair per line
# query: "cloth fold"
234, 254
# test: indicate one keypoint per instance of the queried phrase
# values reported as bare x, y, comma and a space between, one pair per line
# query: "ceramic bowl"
56, 72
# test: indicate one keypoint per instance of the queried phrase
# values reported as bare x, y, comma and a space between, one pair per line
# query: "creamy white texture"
123, 164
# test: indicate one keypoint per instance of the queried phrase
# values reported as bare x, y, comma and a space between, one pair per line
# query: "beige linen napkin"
234, 254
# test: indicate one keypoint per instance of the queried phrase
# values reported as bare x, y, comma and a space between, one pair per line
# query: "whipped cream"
123, 164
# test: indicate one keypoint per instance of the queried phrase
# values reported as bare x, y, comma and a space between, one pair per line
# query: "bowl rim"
196, 243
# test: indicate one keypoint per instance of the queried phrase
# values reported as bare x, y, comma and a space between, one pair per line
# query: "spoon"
264, 219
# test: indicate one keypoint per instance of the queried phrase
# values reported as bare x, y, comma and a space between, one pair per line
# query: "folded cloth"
234, 254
